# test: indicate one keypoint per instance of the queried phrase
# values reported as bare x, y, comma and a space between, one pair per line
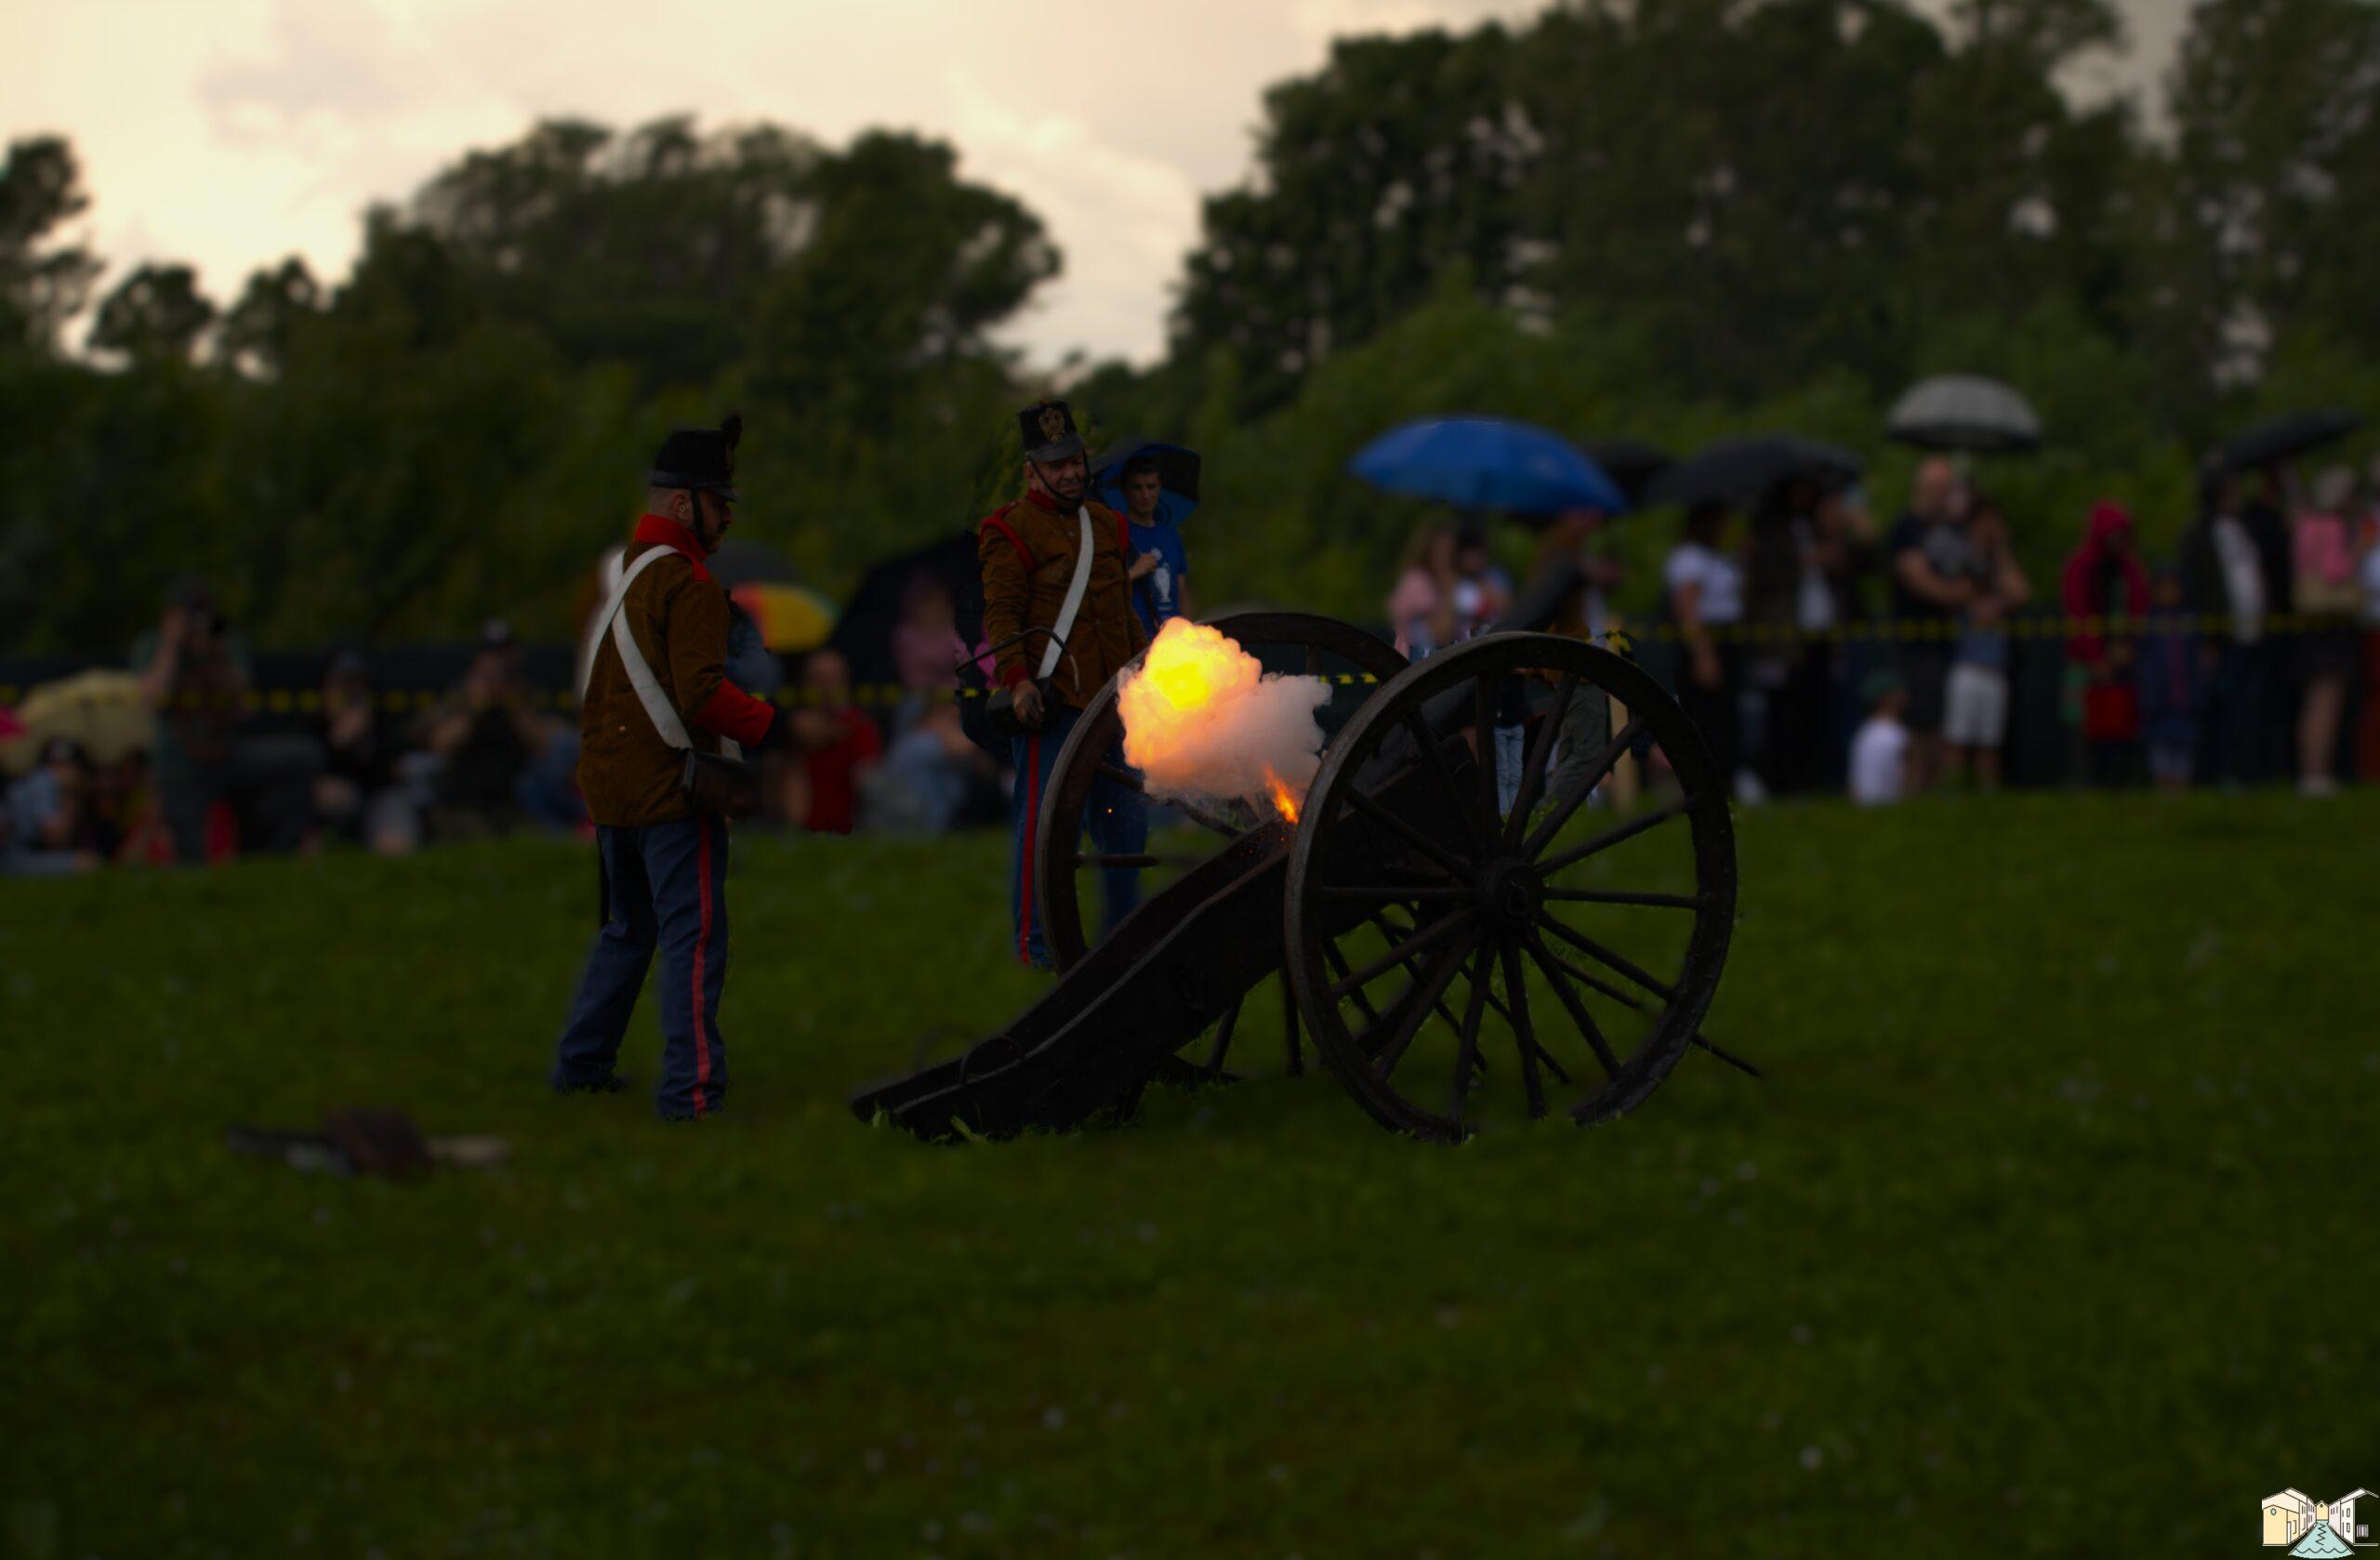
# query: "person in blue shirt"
1161, 573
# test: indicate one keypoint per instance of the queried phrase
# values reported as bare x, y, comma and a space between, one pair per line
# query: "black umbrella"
863, 630
1735, 471
1177, 468
740, 561
1631, 463
1965, 412
2284, 438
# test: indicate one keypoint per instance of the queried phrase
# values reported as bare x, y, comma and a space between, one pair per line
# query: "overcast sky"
228, 133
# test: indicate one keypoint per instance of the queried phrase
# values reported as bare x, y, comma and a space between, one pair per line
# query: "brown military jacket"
1027, 553
678, 615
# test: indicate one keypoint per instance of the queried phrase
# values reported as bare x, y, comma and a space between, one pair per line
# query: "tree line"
1664, 219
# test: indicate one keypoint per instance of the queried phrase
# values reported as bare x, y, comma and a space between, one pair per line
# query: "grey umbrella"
1965, 412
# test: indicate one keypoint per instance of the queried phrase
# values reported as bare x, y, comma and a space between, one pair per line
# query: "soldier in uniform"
664, 858
1029, 551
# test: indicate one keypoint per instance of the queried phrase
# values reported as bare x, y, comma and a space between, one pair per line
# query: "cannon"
1462, 919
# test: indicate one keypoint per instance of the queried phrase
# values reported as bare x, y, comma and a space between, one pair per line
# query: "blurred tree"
43, 283
2276, 107
156, 313
685, 256
1743, 178
256, 331
1399, 158
899, 270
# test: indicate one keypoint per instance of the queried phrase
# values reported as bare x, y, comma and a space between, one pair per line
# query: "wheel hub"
1510, 894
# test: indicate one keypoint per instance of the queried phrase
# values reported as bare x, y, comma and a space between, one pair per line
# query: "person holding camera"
194, 674
486, 739
1058, 615
657, 716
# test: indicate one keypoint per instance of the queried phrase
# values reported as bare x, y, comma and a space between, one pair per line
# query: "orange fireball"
1202, 719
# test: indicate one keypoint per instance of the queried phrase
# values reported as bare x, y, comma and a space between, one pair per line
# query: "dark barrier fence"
2039, 750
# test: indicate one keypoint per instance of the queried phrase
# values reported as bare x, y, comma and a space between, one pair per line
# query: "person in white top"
1705, 584
1880, 751
2233, 573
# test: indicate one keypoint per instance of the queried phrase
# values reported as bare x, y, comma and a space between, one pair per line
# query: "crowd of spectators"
210, 775
2238, 664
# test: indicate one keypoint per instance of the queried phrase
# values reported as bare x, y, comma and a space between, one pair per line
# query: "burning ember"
1201, 718
1283, 802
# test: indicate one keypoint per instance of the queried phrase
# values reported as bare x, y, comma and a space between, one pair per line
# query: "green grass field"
2052, 1232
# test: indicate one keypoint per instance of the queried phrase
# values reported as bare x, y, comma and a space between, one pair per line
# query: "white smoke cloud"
1203, 719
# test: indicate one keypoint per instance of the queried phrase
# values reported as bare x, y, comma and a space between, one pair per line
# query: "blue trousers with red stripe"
664, 887
1117, 817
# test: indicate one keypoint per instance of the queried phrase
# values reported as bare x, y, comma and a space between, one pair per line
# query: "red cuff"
736, 715
1012, 674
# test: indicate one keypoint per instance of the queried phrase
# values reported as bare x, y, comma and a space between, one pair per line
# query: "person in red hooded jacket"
2106, 594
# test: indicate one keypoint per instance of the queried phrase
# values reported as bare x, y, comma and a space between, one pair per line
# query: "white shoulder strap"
615, 566
648, 690
1075, 589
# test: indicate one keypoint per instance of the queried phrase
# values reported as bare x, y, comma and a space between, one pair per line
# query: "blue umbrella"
1177, 469
1487, 463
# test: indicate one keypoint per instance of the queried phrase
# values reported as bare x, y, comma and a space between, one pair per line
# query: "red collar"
662, 530
1047, 503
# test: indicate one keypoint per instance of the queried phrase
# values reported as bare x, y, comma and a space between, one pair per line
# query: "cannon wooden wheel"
1527, 950
1066, 863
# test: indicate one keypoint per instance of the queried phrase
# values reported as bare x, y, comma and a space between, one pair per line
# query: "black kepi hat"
1047, 430
700, 458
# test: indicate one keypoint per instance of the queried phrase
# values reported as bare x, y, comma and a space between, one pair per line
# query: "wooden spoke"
1608, 837
1553, 967
1439, 1004
1613, 897
1453, 866
1590, 776
1414, 1004
1516, 992
1541, 753
1467, 1050
1604, 957
1555, 961
1731, 1058
1428, 937
1338, 962
1591, 981
1394, 931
